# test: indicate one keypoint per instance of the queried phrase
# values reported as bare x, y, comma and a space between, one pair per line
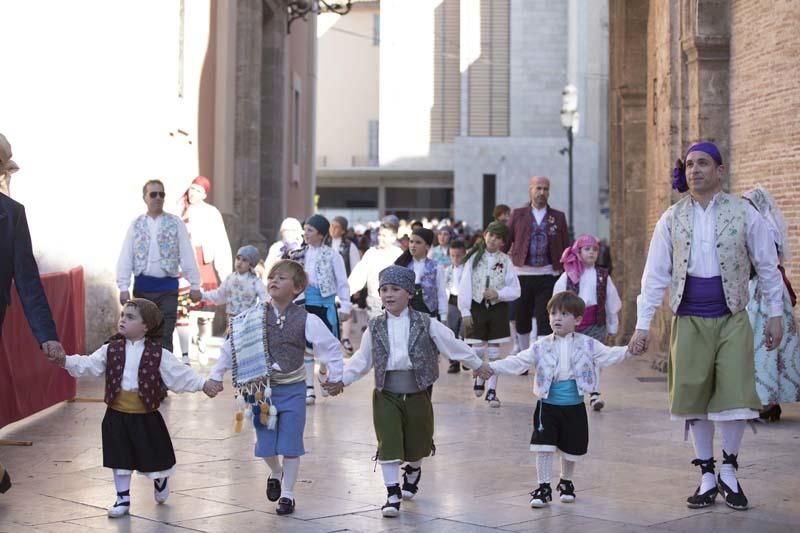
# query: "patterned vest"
286, 345
421, 349
167, 244
344, 251
428, 284
241, 292
731, 245
151, 386
539, 247
586, 373
602, 286
323, 269
496, 273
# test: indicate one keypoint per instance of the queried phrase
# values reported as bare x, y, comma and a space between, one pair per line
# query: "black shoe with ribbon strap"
698, 500
735, 500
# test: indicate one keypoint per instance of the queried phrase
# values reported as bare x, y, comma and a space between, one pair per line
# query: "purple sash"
589, 318
703, 297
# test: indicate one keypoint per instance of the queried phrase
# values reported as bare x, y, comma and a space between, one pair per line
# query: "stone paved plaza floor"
635, 478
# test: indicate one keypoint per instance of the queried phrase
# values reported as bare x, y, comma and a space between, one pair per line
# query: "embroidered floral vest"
428, 284
323, 269
241, 292
451, 279
602, 287
586, 372
539, 246
151, 386
287, 345
421, 349
496, 272
731, 245
168, 248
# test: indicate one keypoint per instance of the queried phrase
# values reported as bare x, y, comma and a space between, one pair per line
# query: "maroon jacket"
519, 230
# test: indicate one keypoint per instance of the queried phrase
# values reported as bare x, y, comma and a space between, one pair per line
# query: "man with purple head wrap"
702, 248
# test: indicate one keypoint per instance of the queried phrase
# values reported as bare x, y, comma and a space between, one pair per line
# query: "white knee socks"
183, 338
123, 484
524, 340
291, 467
567, 468
732, 432
544, 466
391, 477
308, 361
480, 351
703, 439
493, 354
276, 469
412, 477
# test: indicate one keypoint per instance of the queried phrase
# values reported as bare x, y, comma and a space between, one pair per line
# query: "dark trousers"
536, 292
167, 303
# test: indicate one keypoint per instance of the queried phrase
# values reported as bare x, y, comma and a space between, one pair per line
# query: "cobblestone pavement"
635, 478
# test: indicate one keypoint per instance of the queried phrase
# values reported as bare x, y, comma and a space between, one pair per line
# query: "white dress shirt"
185, 250
508, 293
367, 270
441, 290
399, 328
355, 256
339, 275
455, 280
704, 262
588, 293
207, 230
327, 350
177, 376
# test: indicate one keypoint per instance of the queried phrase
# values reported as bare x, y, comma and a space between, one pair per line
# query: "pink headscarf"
571, 258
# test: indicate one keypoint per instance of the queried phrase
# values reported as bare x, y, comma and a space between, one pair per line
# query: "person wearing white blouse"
595, 287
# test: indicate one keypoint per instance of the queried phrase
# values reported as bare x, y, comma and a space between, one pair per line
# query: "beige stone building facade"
683, 70
99, 96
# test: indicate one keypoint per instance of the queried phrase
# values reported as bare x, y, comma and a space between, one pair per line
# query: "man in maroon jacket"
538, 237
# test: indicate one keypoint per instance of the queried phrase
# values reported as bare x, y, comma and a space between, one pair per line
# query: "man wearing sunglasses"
156, 249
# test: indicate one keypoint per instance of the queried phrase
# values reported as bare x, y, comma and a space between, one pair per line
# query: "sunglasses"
157, 194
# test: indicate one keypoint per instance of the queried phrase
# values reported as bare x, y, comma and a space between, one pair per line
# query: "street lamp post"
570, 119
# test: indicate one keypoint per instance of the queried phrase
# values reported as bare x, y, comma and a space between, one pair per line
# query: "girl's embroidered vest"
428, 284
496, 273
167, 244
241, 292
602, 286
421, 349
287, 345
731, 247
323, 269
151, 386
539, 247
344, 251
583, 365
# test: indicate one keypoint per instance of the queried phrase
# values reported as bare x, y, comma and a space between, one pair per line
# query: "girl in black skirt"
138, 372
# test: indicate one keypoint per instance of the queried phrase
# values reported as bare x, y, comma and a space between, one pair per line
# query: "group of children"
420, 309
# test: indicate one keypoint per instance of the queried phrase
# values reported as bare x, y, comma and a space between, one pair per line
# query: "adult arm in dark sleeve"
29, 286
510, 240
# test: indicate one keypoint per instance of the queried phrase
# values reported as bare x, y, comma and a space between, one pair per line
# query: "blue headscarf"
679, 172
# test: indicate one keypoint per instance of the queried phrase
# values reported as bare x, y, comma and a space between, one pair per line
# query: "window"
489, 197
489, 74
376, 29
446, 110
372, 135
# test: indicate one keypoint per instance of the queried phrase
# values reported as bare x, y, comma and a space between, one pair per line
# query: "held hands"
55, 352
467, 322
196, 295
212, 387
773, 333
484, 372
344, 317
639, 342
333, 388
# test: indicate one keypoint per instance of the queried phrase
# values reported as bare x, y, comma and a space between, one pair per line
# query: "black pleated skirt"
136, 442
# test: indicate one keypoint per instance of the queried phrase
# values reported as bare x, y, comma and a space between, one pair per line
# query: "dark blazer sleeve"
511, 228
565, 232
29, 286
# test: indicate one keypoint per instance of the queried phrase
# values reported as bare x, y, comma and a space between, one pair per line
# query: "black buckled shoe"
273, 489
566, 490
492, 399
409, 490
697, 500
478, 389
392, 509
734, 500
285, 506
541, 496
454, 368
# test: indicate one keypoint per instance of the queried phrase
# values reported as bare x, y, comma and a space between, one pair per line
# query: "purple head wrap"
679, 172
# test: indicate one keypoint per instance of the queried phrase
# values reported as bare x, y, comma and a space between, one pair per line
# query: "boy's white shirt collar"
403, 314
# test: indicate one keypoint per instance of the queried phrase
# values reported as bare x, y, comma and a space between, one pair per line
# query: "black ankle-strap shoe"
698, 500
273, 489
566, 490
285, 506
734, 500
541, 496
409, 490
392, 509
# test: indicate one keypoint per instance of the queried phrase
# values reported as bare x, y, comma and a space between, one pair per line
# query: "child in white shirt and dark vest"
138, 371
403, 347
242, 289
566, 366
593, 284
327, 280
265, 349
452, 278
487, 284
430, 294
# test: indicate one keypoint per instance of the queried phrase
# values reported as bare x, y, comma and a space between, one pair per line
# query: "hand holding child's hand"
333, 388
344, 317
212, 387
484, 372
55, 352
